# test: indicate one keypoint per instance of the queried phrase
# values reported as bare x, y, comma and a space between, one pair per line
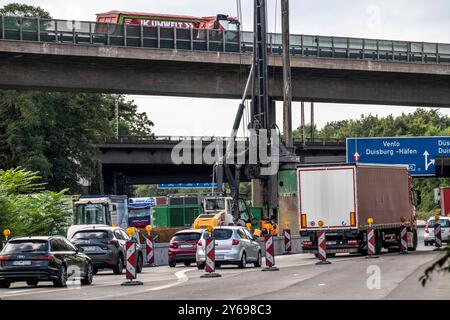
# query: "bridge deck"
92, 33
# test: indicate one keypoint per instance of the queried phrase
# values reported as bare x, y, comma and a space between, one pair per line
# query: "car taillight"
352, 242
4, 258
173, 245
307, 243
235, 242
199, 242
44, 257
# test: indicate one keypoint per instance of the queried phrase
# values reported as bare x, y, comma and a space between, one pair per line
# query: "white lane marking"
181, 276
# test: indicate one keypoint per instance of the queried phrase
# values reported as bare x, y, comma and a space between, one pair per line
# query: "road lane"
298, 278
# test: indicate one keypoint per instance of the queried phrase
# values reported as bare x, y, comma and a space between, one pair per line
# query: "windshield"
136, 213
233, 26
194, 236
25, 246
222, 234
206, 216
91, 213
91, 235
443, 222
215, 204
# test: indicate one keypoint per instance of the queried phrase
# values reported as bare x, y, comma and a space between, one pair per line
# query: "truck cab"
99, 210
215, 204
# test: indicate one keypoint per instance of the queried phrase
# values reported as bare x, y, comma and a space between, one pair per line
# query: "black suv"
34, 259
106, 247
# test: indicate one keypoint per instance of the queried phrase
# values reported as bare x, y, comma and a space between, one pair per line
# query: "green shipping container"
175, 216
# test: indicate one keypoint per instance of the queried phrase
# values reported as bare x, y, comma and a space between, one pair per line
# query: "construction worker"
274, 230
257, 233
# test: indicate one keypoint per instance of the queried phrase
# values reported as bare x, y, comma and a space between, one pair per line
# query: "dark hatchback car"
35, 259
183, 246
106, 247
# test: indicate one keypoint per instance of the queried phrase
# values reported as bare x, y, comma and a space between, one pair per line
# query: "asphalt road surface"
391, 276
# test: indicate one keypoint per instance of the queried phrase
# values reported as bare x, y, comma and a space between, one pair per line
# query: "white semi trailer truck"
342, 198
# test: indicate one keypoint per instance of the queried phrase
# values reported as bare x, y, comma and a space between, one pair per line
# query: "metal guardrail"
93, 33
209, 139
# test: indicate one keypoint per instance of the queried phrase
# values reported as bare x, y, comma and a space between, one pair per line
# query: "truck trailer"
339, 200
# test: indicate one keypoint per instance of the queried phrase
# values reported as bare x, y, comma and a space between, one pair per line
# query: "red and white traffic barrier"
437, 235
210, 259
131, 260
287, 241
371, 243
403, 240
131, 274
322, 248
150, 250
270, 254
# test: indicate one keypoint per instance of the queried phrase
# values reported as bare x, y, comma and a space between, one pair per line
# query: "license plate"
331, 242
219, 256
22, 263
186, 246
90, 248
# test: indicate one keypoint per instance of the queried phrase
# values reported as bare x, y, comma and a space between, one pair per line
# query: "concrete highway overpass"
79, 56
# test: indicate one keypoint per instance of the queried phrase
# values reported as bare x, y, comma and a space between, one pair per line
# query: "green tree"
23, 10
27, 209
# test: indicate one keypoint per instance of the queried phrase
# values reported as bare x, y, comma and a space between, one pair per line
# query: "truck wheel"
378, 242
187, 264
393, 250
5, 284
32, 282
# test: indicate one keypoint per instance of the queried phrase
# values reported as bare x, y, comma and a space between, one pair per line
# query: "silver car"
233, 245
428, 236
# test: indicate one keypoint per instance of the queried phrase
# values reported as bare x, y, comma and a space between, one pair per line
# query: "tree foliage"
55, 133
29, 210
23, 10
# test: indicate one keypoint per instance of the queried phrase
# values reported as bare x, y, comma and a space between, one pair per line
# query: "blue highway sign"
419, 153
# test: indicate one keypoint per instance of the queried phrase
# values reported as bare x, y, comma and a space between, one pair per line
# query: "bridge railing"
93, 33
208, 139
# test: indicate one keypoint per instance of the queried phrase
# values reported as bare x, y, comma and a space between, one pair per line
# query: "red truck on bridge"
219, 22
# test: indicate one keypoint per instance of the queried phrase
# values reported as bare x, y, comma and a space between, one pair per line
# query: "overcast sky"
415, 20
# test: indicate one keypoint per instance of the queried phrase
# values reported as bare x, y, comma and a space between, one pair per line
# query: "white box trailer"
343, 197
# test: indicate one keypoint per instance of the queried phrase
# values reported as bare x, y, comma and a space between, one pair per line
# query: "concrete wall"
162, 249
46, 66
